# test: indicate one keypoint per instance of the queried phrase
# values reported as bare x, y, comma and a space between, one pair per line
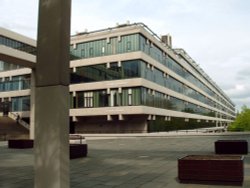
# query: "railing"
18, 119
201, 130
76, 139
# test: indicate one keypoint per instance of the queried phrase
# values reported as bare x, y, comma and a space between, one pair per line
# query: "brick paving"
128, 162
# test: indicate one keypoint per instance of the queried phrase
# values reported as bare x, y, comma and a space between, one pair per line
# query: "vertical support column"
52, 95
32, 105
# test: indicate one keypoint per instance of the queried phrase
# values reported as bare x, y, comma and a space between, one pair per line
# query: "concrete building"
123, 79
15, 79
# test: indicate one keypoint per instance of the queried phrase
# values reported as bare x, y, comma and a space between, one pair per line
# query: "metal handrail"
19, 120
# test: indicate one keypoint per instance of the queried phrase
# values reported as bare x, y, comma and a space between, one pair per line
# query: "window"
130, 97
20, 103
88, 99
83, 53
128, 46
103, 50
103, 100
115, 98
91, 52
7, 84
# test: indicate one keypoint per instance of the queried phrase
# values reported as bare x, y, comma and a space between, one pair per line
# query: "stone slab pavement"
129, 162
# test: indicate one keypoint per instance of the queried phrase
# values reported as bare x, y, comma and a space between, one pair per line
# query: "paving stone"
123, 162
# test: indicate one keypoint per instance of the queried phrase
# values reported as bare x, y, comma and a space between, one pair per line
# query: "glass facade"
8, 66
134, 69
17, 45
125, 96
101, 72
98, 98
159, 55
136, 96
105, 47
20, 103
137, 42
16, 83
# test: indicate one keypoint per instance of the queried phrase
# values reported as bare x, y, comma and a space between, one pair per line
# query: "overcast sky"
215, 33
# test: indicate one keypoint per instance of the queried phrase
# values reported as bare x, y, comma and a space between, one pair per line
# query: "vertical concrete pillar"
32, 105
52, 95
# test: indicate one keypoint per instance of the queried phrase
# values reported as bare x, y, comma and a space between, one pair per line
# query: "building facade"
15, 79
127, 79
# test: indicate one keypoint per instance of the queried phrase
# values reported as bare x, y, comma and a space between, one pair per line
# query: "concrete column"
52, 95
32, 105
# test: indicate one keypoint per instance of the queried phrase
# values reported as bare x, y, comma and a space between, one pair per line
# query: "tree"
242, 121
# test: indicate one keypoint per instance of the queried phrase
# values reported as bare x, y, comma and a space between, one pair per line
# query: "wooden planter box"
231, 147
78, 150
20, 143
211, 169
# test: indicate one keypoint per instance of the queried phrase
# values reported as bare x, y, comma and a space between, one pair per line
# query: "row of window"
136, 42
115, 45
136, 96
161, 57
126, 97
138, 68
8, 66
17, 45
16, 104
126, 69
101, 98
105, 47
16, 83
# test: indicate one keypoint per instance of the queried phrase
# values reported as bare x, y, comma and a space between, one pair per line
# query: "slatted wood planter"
78, 150
75, 150
231, 147
20, 143
211, 169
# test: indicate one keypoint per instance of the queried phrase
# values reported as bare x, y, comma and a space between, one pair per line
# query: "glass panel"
20, 103
17, 45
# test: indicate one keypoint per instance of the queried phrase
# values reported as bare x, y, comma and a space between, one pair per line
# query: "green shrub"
242, 121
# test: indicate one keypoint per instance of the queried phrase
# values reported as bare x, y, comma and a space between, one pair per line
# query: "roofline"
18, 37
187, 57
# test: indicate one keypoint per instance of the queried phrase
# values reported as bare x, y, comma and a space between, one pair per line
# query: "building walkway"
129, 162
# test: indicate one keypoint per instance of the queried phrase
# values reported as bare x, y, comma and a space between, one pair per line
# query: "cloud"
214, 33
242, 102
244, 74
239, 91
239, 94
20, 16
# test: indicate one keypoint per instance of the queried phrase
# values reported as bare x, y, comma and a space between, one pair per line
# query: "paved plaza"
142, 161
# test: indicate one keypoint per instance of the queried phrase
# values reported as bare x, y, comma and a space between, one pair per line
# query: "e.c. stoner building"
127, 79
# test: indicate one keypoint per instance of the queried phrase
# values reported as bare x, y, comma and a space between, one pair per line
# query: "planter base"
211, 169
20, 143
78, 150
231, 147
